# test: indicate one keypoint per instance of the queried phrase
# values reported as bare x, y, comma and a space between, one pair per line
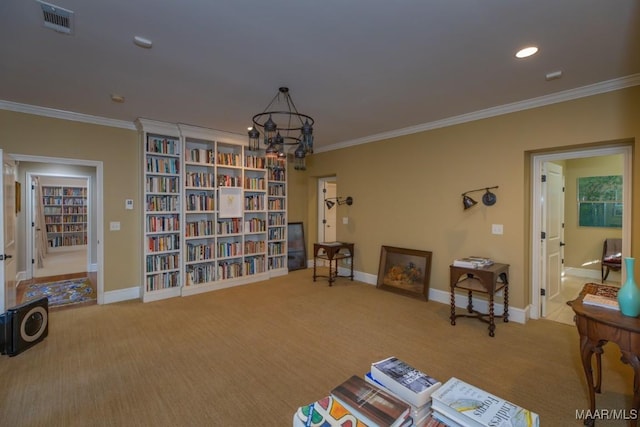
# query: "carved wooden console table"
332, 252
596, 327
487, 280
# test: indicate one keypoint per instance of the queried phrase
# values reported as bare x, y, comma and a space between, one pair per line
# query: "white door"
8, 233
553, 227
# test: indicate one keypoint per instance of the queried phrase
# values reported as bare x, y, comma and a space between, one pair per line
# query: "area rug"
63, 292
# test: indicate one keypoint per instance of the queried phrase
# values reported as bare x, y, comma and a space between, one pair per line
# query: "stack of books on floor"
472, 262
391, 394
395, 394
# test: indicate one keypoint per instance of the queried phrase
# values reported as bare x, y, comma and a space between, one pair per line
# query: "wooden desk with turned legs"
596, 327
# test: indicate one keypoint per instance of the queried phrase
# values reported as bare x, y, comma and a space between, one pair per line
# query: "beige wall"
584, 244
406, 190
118, 150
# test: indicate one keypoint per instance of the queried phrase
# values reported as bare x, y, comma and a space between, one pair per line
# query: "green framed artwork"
600, 201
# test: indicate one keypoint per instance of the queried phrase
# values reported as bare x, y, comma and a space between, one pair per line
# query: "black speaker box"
24, 326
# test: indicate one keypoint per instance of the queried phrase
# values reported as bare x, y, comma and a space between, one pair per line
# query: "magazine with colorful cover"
326, 412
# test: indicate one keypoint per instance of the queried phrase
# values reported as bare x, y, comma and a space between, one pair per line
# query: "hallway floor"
557, 308
66, 262
60, 266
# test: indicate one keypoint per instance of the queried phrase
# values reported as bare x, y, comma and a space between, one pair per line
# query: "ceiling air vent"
57, 18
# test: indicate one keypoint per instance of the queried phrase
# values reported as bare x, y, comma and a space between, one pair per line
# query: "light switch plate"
128, 204
114, 226
497, 229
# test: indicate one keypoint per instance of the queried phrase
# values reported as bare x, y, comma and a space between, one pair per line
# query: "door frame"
8, 263
538, 262
321, 205
98, 211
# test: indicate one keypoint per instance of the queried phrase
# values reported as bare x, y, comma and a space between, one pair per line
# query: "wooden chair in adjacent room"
611, 257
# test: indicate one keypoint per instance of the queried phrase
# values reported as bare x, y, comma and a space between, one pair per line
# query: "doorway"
545, 272
327, 189
60, 218
83, 254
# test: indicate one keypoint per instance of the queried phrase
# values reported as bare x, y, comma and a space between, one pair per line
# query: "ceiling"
362, 69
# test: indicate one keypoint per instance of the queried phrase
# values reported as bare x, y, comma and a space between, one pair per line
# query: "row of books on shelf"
395, 394
472, 262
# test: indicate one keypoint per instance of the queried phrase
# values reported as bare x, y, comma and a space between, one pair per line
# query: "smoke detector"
57, 18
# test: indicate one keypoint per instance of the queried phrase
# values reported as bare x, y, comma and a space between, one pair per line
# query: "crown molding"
65, 115
567, 95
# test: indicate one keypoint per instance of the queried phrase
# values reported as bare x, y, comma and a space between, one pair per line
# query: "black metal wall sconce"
338, 201
488, 198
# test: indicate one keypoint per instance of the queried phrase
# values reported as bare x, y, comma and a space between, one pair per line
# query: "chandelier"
282, 126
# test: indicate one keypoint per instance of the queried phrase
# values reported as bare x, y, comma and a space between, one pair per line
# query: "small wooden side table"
332, 252
487, 280
596, 327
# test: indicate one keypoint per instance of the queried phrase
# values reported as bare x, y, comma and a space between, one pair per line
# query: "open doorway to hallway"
60, 214
327, 189
59, 226
579, 244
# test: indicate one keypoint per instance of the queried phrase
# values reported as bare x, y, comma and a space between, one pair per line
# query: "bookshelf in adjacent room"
231, 212
65, 216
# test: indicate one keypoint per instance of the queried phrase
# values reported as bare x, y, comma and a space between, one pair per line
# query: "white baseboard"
517, 315
121, 295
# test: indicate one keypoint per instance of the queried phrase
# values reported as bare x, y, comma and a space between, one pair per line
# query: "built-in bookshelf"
215, 197
65, 216
277, 216
163, 214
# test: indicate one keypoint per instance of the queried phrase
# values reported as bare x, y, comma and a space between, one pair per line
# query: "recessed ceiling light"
527, 51
117, 98
142, 42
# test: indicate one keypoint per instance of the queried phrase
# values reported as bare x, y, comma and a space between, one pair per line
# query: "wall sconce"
488, 198
339, 201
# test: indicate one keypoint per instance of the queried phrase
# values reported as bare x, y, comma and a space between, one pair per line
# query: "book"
408, 383
326, 412
417, 412
471, 406
431, 421
472, 262
371, 404
601, 301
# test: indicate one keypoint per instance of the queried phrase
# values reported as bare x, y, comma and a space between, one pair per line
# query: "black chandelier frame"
276, 136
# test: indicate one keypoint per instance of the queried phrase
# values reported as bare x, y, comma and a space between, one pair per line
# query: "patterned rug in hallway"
62, 293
